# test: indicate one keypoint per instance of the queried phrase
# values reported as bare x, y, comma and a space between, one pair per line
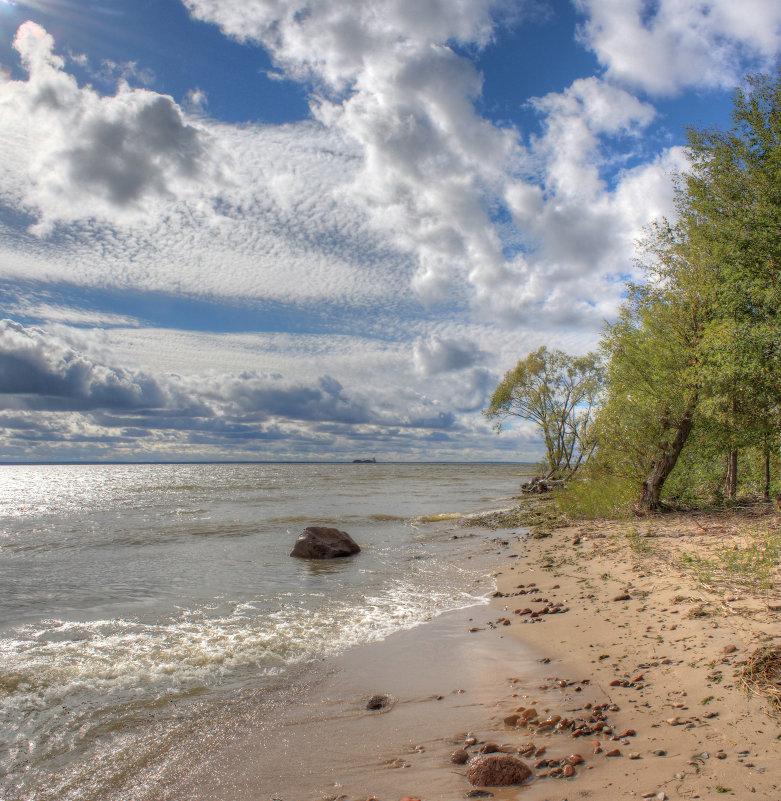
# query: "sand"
634, 617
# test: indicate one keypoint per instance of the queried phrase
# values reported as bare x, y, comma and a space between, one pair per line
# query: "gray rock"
320, 542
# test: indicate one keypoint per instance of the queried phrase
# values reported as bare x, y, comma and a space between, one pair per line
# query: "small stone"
575, 759
634, 756
459, 757
489, 748
568, 771
377, 702
479, 794
729, 649
624, 596
511, 720
659, 752
616, 752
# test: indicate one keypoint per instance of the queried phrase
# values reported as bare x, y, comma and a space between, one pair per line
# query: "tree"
699, 343
730, 204
652, 379
558, 392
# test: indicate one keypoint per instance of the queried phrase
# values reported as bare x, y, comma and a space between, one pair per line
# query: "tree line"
686, 385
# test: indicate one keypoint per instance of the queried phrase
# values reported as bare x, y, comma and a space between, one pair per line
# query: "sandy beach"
634, 671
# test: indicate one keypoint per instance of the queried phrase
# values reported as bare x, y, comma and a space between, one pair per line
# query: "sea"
137, 601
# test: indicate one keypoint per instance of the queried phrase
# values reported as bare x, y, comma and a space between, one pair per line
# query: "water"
135, 597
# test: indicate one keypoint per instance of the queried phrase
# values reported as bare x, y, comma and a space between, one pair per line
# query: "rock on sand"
497, 770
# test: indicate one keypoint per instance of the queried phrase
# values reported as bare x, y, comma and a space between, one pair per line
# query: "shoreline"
631, 644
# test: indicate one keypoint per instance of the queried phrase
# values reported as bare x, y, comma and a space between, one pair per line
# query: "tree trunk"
766, 493
662, 466
731, 479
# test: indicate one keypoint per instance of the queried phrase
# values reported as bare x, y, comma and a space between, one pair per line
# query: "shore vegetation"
682, 404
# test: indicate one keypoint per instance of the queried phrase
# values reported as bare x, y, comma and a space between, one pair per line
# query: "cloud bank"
395, 253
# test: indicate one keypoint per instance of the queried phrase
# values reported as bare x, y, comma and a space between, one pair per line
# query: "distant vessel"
365, 461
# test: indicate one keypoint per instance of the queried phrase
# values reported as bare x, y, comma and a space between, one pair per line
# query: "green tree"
730, 205
699, 343
558, 392
653, 376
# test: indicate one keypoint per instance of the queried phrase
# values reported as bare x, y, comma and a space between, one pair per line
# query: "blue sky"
313, 229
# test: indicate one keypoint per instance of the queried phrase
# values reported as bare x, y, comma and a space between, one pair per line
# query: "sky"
325, 229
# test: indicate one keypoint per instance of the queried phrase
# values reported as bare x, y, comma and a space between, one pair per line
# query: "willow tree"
558, 392
653, 378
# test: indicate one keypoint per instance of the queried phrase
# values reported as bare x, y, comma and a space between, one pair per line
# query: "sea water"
135, 599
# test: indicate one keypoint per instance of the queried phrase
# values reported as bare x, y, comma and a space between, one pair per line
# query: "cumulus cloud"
389, 79
84, 155
667, 45
436, 355
435, 177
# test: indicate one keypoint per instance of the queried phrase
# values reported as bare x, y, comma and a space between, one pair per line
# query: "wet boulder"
321, 542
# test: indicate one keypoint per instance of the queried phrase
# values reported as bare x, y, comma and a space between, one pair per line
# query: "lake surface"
136, 599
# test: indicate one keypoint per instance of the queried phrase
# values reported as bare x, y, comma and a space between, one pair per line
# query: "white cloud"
667, 45
71, 154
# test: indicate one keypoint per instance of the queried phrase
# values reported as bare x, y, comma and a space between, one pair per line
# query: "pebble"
479, 794
459, 757
616, 752
568, 771
659, 752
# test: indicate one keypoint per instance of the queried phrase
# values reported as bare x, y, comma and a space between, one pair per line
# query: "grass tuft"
761, 675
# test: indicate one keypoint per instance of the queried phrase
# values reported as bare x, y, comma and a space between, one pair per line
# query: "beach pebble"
659, 752
511, 720
575, 759
489, 748
497, 770
616, 752
624, 596
379, 702
479, 794
459, 757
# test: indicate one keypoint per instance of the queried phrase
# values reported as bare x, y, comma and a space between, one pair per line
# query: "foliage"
595, 495
558, 392
697, 345
652, 378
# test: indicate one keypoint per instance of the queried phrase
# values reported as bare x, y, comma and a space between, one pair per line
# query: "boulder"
497, 770
320, 542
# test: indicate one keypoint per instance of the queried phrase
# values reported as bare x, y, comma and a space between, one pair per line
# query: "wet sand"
642, 658
319, 741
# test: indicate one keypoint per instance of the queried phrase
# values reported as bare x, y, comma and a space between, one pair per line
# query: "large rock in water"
497, 770
320, 542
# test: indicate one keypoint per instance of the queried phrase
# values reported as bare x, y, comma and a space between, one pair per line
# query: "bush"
598, 495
